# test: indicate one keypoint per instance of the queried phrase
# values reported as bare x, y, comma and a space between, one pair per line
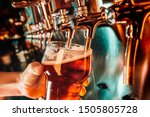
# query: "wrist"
11, 89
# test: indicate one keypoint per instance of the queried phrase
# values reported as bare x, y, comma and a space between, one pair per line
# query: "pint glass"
64, 67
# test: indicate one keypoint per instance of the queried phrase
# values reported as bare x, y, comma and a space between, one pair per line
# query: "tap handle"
80, 3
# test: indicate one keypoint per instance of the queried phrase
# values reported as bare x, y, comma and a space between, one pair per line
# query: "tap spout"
130, 52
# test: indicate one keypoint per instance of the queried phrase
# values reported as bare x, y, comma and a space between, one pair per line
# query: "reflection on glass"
64, 67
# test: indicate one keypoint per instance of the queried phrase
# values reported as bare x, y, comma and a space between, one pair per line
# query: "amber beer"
74, 67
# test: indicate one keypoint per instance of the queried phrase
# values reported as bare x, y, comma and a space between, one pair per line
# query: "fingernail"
38, 69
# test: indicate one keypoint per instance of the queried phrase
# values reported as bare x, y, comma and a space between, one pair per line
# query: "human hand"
32, 83
76, 91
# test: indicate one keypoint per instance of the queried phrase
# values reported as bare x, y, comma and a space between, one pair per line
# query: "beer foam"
65, 56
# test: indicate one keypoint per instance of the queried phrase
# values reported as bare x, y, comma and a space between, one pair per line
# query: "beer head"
73, 62
56, 53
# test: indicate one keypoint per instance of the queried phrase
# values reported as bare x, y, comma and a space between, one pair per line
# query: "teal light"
108, 59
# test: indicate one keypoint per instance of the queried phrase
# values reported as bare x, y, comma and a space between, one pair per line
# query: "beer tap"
24, 3
42, 28
130, 52
81, 8
89, 22
36, 27
126, 14
46, 13
65, 25
33, 20
48, 22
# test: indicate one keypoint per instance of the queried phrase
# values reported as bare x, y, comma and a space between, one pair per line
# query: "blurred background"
14, 56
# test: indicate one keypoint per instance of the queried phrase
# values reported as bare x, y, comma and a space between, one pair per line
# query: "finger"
31, 75
37, 90
72, 98
82, 91
74, 88
86, 82
41, 86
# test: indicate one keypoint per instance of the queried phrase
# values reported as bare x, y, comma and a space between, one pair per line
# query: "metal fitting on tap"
63, 18
81, 8
108, 15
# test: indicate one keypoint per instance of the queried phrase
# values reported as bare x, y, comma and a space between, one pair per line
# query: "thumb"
32, 73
